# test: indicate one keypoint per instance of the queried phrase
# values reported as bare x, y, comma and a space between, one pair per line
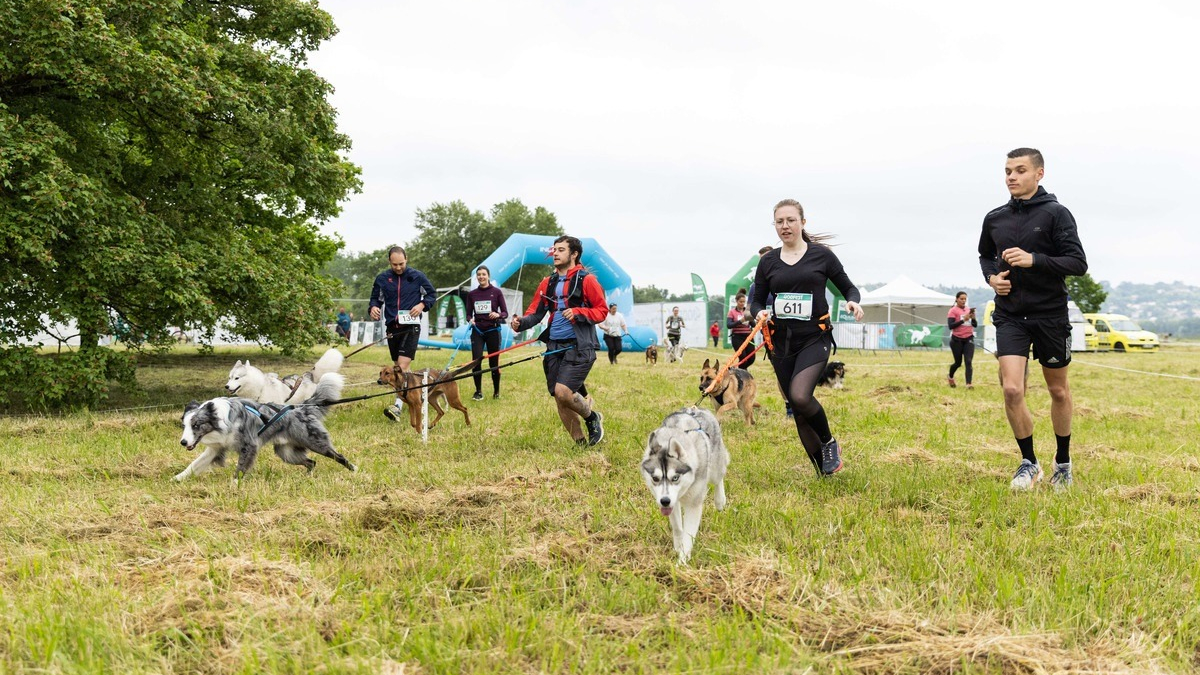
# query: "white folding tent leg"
425, 407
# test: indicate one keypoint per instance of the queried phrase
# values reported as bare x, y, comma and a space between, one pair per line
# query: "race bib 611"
796, 306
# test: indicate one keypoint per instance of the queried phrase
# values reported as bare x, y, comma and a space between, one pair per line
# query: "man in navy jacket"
401, 294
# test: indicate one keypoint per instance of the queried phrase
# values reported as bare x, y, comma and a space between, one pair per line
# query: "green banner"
911, 335
699, 292
449, 306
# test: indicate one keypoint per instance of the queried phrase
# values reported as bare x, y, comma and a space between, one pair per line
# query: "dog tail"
329, 389
330, 362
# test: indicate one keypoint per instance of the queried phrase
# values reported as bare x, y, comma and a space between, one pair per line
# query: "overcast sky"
667, 131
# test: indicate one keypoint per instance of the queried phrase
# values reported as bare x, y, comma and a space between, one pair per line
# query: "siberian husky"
683, 457
224, 424
249, 382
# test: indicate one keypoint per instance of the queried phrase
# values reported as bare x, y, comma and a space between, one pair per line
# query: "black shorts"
569, 368
1050, 339
402, 340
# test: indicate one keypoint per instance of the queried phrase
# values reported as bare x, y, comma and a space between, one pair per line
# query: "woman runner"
796, 274
488, 312
962, 336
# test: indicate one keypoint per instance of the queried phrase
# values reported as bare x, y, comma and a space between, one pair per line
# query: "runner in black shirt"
796, 275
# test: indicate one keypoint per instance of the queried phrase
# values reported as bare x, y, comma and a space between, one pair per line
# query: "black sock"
1026, 446
591, 417
1063, 455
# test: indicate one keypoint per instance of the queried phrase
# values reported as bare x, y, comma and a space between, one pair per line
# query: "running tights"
963, 350
490, 339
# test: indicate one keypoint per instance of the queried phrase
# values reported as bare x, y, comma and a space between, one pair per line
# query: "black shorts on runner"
569, 368
1050, 338
402, 340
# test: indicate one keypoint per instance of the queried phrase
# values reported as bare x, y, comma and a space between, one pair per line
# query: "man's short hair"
397, 249
573, 246
1034, 156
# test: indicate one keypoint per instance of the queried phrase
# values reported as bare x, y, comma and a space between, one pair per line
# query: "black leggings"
737, 340
614, 346
797, 374
962, 349
491, 339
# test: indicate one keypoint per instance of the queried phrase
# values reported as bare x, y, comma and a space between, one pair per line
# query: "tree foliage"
653, 293
166, 163
452, 239
1086, 292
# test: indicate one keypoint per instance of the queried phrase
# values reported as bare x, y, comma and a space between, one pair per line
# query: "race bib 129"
796, 306
483, 306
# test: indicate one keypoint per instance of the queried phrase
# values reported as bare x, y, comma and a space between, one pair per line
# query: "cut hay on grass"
503, 548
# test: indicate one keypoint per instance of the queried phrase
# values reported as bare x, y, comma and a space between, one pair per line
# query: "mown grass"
499, 547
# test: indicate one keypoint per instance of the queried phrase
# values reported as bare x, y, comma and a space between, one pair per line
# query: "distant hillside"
1163, 308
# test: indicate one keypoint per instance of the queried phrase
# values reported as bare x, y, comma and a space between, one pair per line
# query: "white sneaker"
393, 412
1061, 478
1027, 474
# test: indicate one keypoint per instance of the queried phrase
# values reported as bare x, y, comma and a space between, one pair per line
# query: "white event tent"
905, 301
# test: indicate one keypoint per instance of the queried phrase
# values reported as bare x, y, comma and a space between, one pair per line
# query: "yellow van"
1122, 334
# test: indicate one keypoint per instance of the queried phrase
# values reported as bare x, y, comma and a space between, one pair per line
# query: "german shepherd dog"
652, 354
224, 424
736, 389
408, 387
834, 375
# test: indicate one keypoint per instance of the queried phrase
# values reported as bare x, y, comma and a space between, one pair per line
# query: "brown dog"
736, 389
408, 387
652, 354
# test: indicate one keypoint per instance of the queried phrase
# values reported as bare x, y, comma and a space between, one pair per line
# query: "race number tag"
407, 319
796, 306
483, 306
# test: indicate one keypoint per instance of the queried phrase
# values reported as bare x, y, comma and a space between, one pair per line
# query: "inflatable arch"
524, 249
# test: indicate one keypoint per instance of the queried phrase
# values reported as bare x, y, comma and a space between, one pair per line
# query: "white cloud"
668, 130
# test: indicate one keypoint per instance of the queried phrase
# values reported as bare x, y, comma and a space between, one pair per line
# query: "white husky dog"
249, 382
683, 457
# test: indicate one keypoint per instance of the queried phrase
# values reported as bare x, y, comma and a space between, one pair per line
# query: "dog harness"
274, 418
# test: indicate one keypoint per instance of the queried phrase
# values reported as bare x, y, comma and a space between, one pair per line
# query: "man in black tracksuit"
1027, 248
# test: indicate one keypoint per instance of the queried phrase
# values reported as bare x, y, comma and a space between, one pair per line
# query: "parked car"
1122, 334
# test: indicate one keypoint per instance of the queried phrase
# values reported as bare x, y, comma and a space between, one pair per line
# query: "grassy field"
499, 547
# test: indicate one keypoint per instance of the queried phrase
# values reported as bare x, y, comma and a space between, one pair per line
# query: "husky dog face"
204, 423
237, 376
665, 471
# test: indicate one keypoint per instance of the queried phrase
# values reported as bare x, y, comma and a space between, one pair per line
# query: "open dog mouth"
666, 510
235, 389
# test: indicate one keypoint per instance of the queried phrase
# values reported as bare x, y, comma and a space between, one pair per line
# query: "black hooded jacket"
1045, 228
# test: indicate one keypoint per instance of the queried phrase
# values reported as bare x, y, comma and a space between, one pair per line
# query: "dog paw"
179, 477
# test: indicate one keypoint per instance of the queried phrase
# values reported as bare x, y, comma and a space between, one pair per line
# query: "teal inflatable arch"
534, 249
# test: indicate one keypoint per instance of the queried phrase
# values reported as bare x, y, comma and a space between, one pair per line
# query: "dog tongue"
666, 510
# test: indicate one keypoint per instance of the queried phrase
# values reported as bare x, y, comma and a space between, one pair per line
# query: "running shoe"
478, 396
1061, 478
788, 411
594, 427
496, 395
392, 412
1027, 474
831, 458
950, 381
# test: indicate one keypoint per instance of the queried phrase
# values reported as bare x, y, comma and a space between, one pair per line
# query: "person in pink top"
962, 323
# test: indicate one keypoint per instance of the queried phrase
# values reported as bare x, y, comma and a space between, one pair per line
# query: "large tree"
166, 162
452, 239
1086, 292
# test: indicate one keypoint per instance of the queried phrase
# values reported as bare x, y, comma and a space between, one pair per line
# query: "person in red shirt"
714, 331
961, 321
575, 302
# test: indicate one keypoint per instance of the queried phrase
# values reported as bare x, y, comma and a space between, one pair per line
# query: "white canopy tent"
905, 301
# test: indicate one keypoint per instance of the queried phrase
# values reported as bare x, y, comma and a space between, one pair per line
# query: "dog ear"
237, 363
705, 364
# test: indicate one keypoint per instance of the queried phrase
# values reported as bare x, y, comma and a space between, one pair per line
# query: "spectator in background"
343, 323
714, 332
614, 327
